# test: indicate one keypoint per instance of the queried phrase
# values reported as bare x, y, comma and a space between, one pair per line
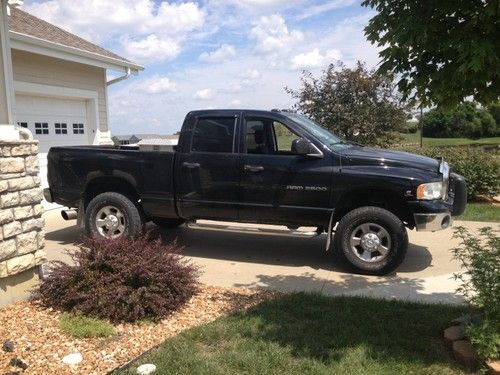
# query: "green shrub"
480, 284
120, 280
480, 169
468, 120
80, 326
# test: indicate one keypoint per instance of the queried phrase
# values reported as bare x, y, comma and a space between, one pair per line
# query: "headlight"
431, 190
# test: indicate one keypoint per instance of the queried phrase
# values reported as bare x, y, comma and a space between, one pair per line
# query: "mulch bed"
40, 343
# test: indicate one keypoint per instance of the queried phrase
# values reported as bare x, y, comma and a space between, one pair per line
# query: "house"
130, 139
60, 84
125, 139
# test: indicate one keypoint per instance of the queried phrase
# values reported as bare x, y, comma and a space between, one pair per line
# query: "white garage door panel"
47, 112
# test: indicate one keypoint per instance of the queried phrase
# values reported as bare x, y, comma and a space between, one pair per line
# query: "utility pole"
421, 125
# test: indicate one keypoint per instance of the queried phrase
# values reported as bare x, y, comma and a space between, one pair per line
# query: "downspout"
121, 78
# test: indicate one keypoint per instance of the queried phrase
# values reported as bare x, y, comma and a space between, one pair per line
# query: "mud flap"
329, 232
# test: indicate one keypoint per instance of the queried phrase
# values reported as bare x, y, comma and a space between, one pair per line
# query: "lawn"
415, 138
481, 212
312, 334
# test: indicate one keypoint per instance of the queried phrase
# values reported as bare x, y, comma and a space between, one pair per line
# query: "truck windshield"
318, 131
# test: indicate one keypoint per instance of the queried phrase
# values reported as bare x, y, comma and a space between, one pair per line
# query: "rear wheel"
372, 240
168, 223
112, 215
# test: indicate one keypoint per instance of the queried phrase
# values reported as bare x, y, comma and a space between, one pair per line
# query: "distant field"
415, 138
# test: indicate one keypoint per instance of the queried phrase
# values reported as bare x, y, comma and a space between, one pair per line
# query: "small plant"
80, 326
480, 284
122, 280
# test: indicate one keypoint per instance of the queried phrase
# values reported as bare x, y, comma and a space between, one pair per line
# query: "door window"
214, 134
284, 138
265, 136
41, 128
61, 128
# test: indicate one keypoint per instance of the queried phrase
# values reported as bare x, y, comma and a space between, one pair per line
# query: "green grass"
311, 334
415, 138
481, 212
81, 327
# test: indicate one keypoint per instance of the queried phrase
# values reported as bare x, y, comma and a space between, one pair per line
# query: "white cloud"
151, 48
204, 94
158, 85
146, 30
235, 102
222, 53
314, 59
315, 10
272, 34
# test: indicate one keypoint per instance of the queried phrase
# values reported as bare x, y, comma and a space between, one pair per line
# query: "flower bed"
39, 342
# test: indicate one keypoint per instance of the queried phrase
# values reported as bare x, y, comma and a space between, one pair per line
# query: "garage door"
53, 122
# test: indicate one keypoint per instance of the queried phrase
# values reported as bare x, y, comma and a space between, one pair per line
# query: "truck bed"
149, 172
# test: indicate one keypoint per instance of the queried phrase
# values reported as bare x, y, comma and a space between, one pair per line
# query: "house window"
41, 128
156, 148
61, 128
23, 124
78, 129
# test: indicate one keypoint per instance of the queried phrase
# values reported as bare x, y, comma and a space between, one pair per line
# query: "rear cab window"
214, 134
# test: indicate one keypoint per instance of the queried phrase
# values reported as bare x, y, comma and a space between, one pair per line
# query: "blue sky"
213, 53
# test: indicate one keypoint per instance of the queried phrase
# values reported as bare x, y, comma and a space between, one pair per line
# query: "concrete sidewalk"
298, 264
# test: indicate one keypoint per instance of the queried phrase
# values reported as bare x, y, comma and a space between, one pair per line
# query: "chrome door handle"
253, 168
190, 165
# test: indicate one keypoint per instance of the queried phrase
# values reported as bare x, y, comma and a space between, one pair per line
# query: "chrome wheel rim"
370, 242
110, 222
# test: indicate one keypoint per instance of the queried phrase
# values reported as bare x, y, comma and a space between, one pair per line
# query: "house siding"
33, 68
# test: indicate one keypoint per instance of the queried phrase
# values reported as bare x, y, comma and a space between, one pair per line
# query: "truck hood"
358, 155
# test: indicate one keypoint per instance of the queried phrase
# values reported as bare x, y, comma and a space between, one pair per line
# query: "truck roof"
229, 112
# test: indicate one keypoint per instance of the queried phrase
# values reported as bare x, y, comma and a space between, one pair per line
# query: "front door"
277, 185
207, 175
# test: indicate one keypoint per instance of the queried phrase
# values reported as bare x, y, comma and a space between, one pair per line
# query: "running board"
235, 228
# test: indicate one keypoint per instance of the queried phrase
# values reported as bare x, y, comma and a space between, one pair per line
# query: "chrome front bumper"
432, 222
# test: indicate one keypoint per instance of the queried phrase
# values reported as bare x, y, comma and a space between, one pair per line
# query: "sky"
211, 53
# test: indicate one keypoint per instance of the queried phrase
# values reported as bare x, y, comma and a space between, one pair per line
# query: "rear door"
207, 170
277, 185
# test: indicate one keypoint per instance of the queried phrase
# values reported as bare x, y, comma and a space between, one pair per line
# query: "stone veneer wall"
21, 225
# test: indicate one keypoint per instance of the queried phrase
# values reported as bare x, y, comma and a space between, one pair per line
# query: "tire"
372, 240
168, 223
109, 211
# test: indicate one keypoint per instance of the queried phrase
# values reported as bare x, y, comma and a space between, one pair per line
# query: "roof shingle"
24, 23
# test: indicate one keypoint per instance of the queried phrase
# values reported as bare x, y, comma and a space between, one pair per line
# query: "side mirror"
304, 147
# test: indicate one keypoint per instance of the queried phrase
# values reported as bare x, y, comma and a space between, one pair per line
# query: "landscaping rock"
73, 359
8, 346
16, 362
146, 369
465, 353
494, 367
452, 334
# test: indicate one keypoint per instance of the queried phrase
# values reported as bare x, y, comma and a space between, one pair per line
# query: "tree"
351, 101
443, 51
466, 120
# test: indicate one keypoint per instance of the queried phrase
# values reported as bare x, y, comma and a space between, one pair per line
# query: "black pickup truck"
270, 167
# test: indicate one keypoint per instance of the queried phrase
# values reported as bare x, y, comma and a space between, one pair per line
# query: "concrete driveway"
285, 263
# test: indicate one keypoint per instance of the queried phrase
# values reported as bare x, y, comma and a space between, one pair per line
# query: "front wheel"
112, 215
373, 240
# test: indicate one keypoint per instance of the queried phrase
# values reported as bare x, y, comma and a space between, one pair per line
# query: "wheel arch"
376, 197
104, 184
